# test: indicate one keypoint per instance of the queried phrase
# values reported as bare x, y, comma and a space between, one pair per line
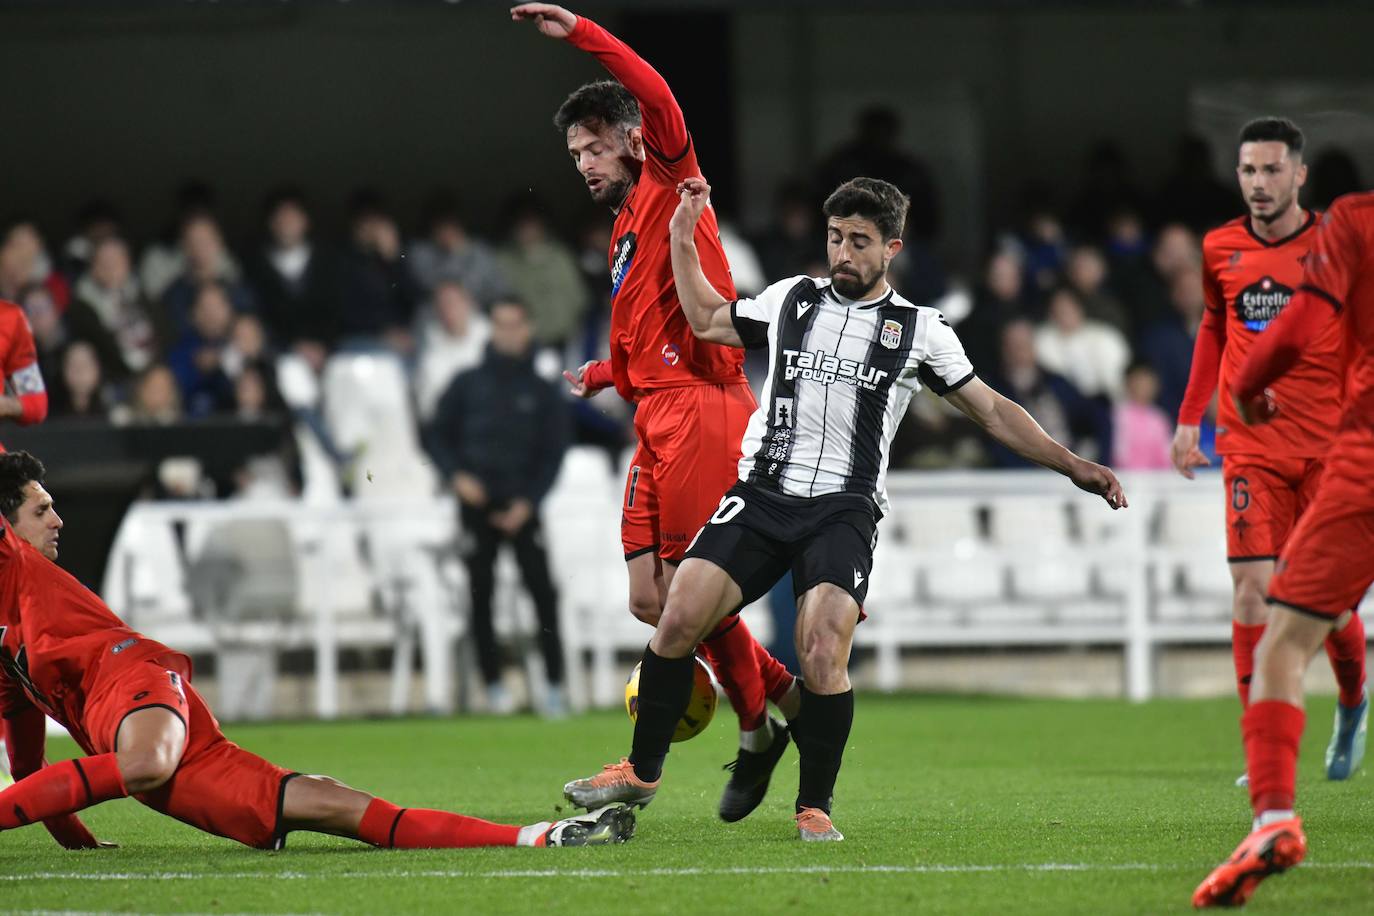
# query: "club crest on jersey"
892, 334
671, 354
1261, 302
621, 260
819, 366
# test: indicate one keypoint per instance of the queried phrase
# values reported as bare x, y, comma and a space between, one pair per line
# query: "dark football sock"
665, 688
824, 723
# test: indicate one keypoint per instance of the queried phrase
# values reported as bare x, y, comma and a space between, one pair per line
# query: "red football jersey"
652, 345
54, 636
1248, 281
1341, 272
19, 364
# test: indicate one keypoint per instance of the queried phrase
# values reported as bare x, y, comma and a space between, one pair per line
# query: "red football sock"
391, 827
1244, 637
730, 648
1272, 730
59, 789
1345, 649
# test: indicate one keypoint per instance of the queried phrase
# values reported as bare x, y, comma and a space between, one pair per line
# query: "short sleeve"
944, 367
1335, 256
753, 317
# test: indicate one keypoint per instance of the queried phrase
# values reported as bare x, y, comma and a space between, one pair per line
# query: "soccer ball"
700, 708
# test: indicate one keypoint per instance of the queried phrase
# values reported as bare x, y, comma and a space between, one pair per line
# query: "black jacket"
503, 424
305, 310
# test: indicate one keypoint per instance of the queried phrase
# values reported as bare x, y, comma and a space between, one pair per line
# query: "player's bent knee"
677, 634
146, 770
646, 608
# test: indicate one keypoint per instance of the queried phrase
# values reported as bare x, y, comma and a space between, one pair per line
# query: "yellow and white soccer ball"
700, 708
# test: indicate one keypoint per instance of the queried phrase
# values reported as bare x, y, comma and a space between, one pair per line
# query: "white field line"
644, 872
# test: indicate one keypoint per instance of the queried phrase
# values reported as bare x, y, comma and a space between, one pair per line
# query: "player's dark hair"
604, 101
873, 199
1273, 130
16, 470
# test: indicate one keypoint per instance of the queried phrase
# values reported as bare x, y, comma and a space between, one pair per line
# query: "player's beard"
1281, 206
856, 285
613, 193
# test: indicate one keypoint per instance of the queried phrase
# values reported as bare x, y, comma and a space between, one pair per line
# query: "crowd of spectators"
1084, 312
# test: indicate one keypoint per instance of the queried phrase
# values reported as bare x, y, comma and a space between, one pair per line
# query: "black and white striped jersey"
840, 376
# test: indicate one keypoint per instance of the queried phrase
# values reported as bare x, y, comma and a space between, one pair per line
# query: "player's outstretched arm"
707, 311
1008, 423
665, 130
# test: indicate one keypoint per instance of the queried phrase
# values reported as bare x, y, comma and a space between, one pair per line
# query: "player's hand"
577, 384
469, 489
553, 21
1258, 410
695, 197
1095, 478
1184, 453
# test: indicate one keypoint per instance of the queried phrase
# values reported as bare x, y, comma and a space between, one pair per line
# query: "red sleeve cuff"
599, 375
35, 408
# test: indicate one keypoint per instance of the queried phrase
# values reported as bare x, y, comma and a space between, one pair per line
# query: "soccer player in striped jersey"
846, 354
630, 144
1251, 267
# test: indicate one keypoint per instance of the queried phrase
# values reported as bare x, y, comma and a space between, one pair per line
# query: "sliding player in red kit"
129, 703
1327, 564
630, 143
1251, 267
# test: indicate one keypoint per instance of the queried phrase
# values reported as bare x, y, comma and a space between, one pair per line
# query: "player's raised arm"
707, 311
1008, 423
665, 130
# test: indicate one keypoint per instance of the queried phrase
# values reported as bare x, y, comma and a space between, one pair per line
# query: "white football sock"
529, 835
758, 739
1272, 817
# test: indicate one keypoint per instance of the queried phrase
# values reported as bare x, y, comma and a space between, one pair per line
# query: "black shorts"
756, 535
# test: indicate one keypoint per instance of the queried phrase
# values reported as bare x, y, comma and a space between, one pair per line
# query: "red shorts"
218, 787
688, 456
1264, 498
1328, 564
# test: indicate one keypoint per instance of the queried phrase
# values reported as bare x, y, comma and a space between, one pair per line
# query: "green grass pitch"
950, 805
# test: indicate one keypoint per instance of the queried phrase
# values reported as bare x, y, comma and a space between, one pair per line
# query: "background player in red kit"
1251, 266
25, 399
129, 703
630, 144
1328, 563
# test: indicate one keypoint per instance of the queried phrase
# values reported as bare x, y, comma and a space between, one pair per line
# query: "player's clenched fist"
553, 21
695, 197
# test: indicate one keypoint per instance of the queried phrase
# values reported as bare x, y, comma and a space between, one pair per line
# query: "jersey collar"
1306, 224
860, 303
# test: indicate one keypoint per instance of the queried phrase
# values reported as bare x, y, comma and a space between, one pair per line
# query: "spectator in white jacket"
1091, 354
453, 337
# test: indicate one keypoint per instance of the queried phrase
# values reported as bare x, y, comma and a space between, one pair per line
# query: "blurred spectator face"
289, 224
447, 233
16, 266
212, 315
81, 371
1126, 231
1177, 249
529, 230
602, 154
25, 238
453, 306
248, 337
1185, 292
1045, 227
250, 392
1142, 385
1018, 346
1066, 312
377, 233
110, 267
203, 246
44, 318
1004, 276
1087, 269
1270, 175
156, 395
511, 331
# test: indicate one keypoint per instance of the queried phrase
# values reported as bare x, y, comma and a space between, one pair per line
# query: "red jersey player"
25, 399
1251, 266
1327, 564
129, 703
630, 143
